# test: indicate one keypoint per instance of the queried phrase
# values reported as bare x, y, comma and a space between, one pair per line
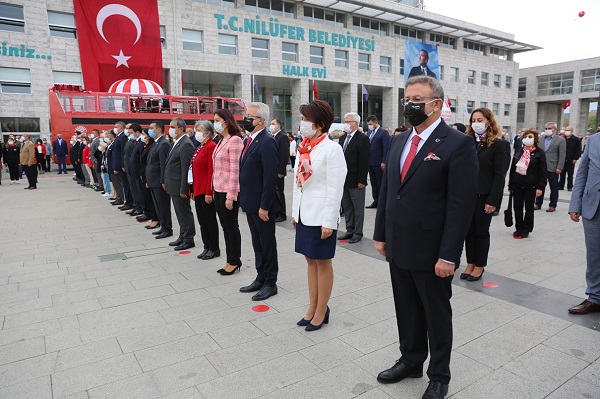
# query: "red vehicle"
73, 109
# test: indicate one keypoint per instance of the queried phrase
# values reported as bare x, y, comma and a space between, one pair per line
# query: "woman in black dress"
149, 210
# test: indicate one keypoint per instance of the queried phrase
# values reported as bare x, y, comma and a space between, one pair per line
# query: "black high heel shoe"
304, 322
312, 327
224, 272
473, 278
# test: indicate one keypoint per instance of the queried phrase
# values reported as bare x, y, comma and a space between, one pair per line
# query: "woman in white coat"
320, 173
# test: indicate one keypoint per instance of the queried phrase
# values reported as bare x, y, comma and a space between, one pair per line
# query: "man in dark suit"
155, 177
61, 149
133, 163
283, 148
111, 168
422, 68
128, 185
357, 152
75, 157
99, 186
380, 144
573, 146
258, 182
176, 183
425, 208
121, 185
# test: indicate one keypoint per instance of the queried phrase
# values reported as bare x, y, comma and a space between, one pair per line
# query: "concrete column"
391, 106
214, 90
242, 87
349, 94
299, 97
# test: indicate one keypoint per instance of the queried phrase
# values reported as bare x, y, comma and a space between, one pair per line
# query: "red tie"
414, 145
247, 146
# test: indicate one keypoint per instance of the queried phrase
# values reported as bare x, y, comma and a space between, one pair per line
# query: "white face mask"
172, 133
478, 127
347, 128
219, 127
527, 141
107, 140
548, 132
126, 131
199, 136
143, 139
371, 127
116, 130
306, 129
11, 142
272, 129
568, 133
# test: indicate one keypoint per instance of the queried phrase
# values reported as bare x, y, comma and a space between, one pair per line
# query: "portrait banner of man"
420, 59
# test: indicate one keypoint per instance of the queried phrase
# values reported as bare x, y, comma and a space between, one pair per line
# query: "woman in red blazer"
202, 191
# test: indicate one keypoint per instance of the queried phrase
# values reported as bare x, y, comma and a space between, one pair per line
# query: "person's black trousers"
31, 172
477, 242
79, 172
13, 170
149, 209
376, 177
424, 317
231, 228
162, 204
126, 191
140, 190
207, 219
185, 218
48, 158
133, 190
280, 195
523, 196
264, 244
118, 186
567, 174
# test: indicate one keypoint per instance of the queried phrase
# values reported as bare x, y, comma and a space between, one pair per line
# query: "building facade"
271, 51
544, 93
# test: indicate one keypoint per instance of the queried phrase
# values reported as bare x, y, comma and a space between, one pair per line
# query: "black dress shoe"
211, 254
265, 292
435, 390
345, 236
473, 278
137, 213
131, 212
255, 286
142, 218
354, 240
164, 234
280, 219
372, 206
185, 245
200, 256
116, 203
398, 372
464, 276
176, 243
150, 227
525, 234
155, 233
125, 208
312, 327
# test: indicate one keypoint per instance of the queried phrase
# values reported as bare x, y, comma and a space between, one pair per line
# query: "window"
62, 25
497, 79
369, 26
402, 66
441, 69
11, 18
364, 61
260, 48
163, 36
227, 44
560, 83
67, 78
452, 104
590, 80
15, 80
499, 53
222, 3
453, 74
408, 33
483, 104
276, 8
521, 112
470, 106
496, 108
471, 76
506, 109
384, 64
341, 58
19, 125
192, 40
473, 48
324, 16
316, 55
485, 77
508, 82
289, 51
442, 40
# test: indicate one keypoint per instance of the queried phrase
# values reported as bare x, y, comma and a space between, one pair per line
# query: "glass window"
227, 44
385, 64
522, 87
260, 48
341, 58
496, 108
68, 78
484, 78
471, 76
521, 112
15, 80
470, 106
316, 55
289, 52
12, 18
222, 3
163, 36
452, 104
499, 53
19, 125
62, 25
454, 74
369, 26
474, 48
402, 66
277, 8
483, 104
404, 32
550, 85
192, 40
506, 109
325, 17
364, 61
441, 69
497, 79
442, 40
590, 80
508, 82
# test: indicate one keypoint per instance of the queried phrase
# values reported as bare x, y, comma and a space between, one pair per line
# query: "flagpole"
362, 101
253, 86
312, 88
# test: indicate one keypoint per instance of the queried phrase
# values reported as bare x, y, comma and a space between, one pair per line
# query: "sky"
551, 24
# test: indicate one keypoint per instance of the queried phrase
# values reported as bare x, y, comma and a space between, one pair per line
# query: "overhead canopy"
135, 86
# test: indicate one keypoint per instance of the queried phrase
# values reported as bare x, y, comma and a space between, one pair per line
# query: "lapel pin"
437, 140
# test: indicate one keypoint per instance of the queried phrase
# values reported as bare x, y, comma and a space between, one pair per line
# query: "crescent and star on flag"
118, 9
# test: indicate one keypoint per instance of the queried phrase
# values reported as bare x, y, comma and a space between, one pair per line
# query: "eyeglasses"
413, 100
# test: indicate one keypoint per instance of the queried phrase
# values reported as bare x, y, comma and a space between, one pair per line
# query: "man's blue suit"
380, 145
118, 151
61, 150
258, 182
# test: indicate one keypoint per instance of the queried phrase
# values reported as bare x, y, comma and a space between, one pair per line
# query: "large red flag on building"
118, 39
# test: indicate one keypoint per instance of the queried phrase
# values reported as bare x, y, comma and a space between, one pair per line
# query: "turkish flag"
566, 104
315, 91
118, 39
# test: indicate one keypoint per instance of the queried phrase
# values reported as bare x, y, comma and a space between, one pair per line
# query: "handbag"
508, 216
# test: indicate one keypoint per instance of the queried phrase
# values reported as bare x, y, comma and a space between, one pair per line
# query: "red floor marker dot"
141, 221
344, 241
184, 252
260, 308
489, 284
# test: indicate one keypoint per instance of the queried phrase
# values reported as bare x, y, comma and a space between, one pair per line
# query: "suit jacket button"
398, 197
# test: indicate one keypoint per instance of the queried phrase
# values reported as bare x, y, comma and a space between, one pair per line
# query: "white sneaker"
106, 195
16, 182
12, 182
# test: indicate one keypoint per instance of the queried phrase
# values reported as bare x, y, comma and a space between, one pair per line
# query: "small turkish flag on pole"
566, 104
315, 91
118, 41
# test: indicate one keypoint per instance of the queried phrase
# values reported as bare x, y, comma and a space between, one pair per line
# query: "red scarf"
304, 164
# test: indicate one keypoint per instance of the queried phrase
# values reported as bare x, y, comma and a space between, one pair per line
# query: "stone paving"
92, 306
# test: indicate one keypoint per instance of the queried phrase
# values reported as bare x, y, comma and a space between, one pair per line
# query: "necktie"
414, 145
423, 71
348, 138
247, 146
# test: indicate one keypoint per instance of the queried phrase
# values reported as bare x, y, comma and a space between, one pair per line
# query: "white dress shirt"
424, 136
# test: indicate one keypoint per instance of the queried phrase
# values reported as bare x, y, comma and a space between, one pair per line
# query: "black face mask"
415, 113
248, 124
